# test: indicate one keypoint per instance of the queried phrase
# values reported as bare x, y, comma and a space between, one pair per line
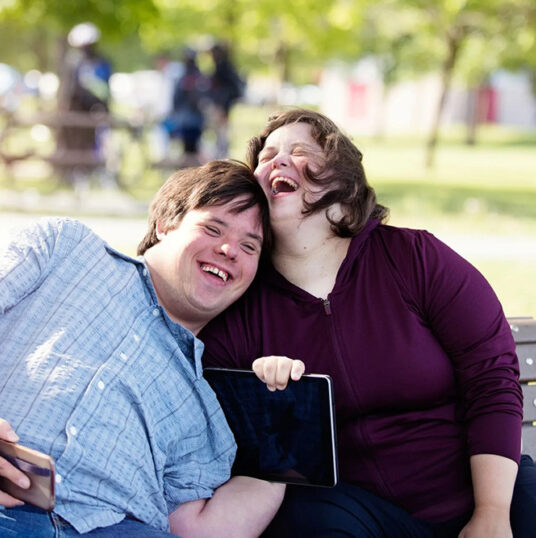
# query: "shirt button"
101, 385
124, 356
144, 272
73, 430
136, 337
156, 312
58, 478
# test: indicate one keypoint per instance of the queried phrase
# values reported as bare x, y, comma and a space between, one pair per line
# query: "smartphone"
38, 467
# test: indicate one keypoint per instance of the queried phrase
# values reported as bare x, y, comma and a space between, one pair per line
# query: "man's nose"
228, 250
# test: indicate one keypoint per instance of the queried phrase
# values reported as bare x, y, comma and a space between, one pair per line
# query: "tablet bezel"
331, 474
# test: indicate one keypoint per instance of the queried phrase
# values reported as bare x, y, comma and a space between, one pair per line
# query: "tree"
449, 33
32, 32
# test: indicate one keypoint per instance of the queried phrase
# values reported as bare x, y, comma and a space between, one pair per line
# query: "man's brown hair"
213, 184
342, 176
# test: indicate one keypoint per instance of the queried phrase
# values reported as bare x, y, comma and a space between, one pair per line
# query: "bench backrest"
524, 332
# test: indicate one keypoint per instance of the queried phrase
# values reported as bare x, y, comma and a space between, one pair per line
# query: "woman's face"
280, 172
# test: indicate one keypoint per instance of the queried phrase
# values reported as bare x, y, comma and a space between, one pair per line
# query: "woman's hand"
7, 470
275, 371
488, 524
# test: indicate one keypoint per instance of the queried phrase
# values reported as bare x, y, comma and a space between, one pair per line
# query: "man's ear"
160, 230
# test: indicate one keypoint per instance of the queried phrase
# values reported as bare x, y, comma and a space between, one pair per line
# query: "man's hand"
7, 470
275, 371
488, 524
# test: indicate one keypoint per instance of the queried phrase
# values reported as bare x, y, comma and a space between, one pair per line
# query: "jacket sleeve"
465, 315
30, 254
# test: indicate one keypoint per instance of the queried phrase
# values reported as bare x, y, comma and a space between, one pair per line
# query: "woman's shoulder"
397, 238
402, 233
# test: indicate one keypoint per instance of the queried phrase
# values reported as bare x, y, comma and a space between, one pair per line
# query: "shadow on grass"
518, 203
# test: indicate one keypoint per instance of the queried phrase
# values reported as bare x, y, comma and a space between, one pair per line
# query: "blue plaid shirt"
94, 373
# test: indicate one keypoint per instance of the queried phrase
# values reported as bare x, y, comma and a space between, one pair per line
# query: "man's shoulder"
49, 230
61, 224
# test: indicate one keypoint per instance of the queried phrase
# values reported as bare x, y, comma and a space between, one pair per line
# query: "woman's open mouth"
283, 184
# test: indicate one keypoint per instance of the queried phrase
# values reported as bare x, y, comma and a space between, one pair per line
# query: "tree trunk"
282, 58
454, 40
471, 116
64, 74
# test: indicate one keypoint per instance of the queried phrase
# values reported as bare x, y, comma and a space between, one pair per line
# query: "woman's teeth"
283, 184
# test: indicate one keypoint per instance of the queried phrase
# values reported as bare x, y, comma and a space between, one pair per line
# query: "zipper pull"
327, 306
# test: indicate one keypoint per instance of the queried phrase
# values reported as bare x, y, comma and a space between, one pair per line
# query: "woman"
425, 373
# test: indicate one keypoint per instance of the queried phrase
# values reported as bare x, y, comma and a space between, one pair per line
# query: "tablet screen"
282, 436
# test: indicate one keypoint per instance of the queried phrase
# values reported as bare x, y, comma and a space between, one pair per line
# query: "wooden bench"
524, 332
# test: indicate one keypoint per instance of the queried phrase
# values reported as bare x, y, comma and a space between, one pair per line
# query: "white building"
356, 98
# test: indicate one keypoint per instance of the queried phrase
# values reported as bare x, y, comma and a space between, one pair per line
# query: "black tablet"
283, 436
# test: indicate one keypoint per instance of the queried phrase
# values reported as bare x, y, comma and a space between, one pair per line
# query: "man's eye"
249, 248
212, 230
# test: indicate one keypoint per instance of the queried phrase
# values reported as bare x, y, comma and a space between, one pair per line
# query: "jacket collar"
268, 275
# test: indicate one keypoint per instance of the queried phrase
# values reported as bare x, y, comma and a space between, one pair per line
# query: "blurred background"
101, 100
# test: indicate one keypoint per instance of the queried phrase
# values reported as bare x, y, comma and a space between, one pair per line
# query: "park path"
127, 227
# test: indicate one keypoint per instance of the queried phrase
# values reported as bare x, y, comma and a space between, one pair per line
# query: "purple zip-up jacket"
422, 358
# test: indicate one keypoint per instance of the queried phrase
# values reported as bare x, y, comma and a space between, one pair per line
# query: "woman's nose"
281, 159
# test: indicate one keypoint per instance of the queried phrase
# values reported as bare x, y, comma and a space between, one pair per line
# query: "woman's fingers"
276, 371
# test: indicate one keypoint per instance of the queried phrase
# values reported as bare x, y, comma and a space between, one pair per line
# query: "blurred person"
85, 89
187, 120
428, 401
101, 368
10, 88
226, 87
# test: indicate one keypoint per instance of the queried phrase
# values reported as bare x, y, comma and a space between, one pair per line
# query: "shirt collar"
190, 345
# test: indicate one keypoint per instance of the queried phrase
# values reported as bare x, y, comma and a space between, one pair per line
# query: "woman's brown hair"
342, 171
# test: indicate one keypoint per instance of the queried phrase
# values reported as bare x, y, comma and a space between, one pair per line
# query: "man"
100, 366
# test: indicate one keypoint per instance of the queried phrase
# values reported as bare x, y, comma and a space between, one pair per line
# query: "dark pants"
347, 510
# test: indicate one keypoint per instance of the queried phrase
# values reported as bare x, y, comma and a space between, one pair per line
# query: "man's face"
199, 268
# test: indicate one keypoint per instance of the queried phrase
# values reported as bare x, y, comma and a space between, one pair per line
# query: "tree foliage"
290, 39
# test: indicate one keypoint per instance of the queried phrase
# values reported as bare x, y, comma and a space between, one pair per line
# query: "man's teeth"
215, 271
278, 182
